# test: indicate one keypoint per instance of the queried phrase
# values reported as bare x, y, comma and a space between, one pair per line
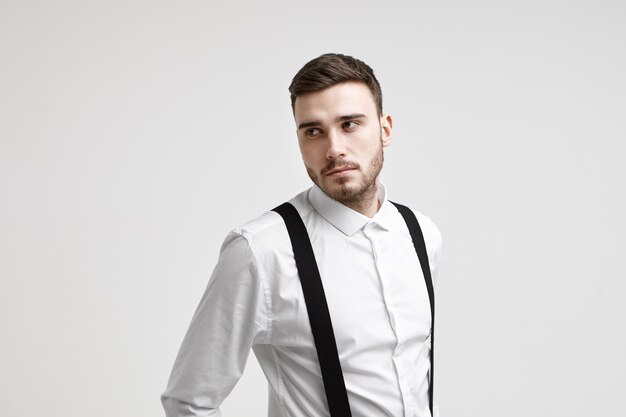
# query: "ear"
386, 126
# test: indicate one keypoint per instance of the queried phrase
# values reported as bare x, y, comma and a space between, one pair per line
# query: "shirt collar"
347, 220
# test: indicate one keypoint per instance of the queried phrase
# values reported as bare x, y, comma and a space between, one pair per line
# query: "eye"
312, 132
349, 125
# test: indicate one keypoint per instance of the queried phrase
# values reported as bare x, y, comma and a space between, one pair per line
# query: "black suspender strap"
317, 308
422, 254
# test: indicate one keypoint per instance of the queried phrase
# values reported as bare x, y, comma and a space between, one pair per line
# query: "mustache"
339, 164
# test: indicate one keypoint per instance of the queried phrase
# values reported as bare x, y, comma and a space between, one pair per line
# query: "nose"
336, 145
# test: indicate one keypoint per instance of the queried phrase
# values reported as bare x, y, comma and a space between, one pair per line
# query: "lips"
339, 166
339, 170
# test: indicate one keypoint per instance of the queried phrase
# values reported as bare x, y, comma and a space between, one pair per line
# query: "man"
375, 289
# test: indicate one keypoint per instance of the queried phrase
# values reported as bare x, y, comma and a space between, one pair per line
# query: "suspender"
420, 247
317, 307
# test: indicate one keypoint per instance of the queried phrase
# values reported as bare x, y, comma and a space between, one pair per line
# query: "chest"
374, 288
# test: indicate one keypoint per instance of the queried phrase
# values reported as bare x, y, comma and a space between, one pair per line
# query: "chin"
345, 193
342, 184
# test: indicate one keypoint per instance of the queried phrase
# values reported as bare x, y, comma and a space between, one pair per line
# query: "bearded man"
332, 290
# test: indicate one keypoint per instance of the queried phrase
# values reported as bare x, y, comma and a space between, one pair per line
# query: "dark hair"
331, 69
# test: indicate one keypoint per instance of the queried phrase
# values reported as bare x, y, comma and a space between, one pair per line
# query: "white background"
136, 134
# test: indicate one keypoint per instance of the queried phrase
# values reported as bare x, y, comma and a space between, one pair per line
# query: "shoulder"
267, 234
431, 232
432, 239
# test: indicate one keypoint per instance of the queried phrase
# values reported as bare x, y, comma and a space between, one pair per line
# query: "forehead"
340, 99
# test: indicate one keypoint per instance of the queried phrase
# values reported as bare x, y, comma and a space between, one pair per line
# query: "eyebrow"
337, 120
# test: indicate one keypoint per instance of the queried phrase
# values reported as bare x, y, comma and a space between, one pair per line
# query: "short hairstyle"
330, 69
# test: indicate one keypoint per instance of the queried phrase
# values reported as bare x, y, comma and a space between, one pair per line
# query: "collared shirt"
377, 300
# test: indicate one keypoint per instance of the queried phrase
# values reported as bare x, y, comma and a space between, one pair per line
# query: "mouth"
339, 171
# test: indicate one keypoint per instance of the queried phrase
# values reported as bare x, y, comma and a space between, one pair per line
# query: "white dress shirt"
377, 300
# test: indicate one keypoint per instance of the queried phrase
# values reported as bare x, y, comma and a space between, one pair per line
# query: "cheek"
311, 154
374, 142
303, 151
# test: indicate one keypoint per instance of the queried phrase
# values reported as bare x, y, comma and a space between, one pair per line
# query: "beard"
345, 193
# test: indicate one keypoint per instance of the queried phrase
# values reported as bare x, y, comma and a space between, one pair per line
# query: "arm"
434, 250
231, 317
434, 256
432, 238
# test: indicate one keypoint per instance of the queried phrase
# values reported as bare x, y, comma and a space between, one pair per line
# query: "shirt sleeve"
434, 250
432, 239
232, 316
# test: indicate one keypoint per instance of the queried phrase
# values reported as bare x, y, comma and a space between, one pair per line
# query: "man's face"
341, 139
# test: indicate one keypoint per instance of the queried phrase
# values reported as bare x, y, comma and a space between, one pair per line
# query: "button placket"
401, 374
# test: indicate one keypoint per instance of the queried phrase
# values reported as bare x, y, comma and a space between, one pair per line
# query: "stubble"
353, 195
